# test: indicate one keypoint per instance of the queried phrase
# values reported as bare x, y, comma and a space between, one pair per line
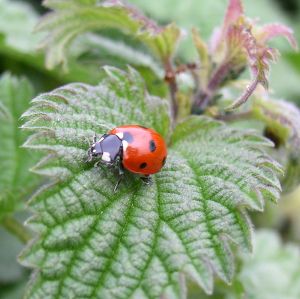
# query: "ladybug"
135, 148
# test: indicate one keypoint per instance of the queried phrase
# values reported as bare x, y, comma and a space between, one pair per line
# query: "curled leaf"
259, 64
270, 31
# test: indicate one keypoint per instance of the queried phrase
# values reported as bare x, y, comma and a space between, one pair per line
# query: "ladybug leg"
146, 179
97, 164
121, 175
121, 169
90, 157
89, 153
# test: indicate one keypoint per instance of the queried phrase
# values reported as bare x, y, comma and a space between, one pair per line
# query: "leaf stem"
235, 117
16, 228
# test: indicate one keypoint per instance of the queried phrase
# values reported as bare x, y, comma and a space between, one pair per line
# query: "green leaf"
273, 270
141, 241
68, 20
10, 270
102, 47
19, 45
16, 183
16, 23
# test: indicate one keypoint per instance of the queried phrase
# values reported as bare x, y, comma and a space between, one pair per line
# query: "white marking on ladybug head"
106, 157
120, 135
125, 145
94, 151
102, 138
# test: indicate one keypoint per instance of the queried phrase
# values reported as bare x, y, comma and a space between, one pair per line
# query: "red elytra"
144, 150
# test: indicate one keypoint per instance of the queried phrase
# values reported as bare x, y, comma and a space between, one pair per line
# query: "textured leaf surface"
68, 20
16, 182
143, 240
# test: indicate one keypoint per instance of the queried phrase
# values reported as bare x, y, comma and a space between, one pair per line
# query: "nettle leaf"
16, 182
68, 20
141, 241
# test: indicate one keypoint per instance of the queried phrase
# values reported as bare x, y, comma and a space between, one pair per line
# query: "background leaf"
13, 276
16, 183
20, 54
18, 48
10, 270
16, 22
141, 241
67, 21
282, 121
271, 272
270, 256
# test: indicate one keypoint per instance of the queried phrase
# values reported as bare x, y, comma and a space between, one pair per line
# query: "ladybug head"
95, 150
108, 148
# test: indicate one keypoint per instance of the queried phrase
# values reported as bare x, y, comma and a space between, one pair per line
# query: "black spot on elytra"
152, 146
128, 137
143, 165
164, 161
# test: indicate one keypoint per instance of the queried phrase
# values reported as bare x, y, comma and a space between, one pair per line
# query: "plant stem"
245, 95
170, 78
16, 228
204, 97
